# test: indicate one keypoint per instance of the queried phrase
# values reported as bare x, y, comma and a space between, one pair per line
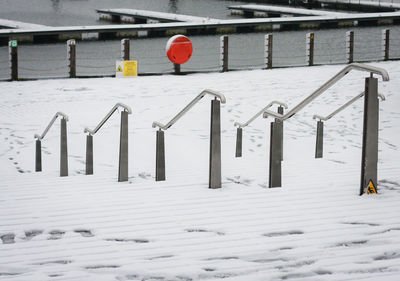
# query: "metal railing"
240, 125
326, 86
188, 107
116, 106
347, 104
59, 113
123, 147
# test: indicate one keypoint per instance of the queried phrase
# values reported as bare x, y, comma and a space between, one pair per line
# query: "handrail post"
160, 156
89, 155
369, 160
38, 158
125, 49
385, 43
239, 141
275, 152
350, 46
71, 54
123, 148
13, 54
215, 145
224, 52
63, 149
310, 48
268, 43
319, 145
177, 68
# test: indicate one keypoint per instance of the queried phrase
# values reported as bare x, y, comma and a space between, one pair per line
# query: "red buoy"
179, 49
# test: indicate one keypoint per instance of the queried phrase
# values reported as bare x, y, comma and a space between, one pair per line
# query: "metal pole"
268, 51
215, 145
125, 49
310, 48
123, 148
239, 137
279, 129
369, 161
319, 146
89, 155
385, 43
350, 46
224, 52
13, 52
63, 149
160, 156
275, 168
71, 54
177, 68
38, 159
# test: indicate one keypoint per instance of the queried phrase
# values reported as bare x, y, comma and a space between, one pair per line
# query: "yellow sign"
130, 68
371, 188
119, 69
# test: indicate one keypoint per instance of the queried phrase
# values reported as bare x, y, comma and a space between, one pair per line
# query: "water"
246, 51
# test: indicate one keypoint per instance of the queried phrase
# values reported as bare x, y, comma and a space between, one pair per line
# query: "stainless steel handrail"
189, 106
115, 107
322, 118
240, 125
59, 113
326, 86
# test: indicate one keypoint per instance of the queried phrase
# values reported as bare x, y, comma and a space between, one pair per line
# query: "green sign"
14, 43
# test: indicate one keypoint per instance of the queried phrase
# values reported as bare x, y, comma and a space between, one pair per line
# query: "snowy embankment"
315, 227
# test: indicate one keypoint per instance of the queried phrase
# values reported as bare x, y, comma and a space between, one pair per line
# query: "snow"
80, 227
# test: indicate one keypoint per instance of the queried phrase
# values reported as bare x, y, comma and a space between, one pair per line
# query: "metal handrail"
326, 86
189, 106
240, 125
343, 107
59, 113
125, 107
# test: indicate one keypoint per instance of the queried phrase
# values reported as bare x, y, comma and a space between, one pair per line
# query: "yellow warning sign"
371, 188
119, 69
130, 68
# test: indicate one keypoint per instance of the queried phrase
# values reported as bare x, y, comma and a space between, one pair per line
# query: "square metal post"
319, 145
63, 149
224, 52
215, 145
310, 48
89, 155
385, 43
275, 163
71, 54
160, 156
123, 148
279, 129
350, 46
13, 53
268, 51
177, 68
125, 49
38, 158
369, 161
239, 137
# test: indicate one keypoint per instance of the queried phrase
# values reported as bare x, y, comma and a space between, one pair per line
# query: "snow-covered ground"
316, 227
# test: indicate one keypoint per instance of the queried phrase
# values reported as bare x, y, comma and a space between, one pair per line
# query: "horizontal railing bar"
322, 118
220, 96
59, 113
115, 107
326, 86
240, 125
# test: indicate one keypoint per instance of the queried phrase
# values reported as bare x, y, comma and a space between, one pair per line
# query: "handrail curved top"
240, 125
220, 96
322, 118
115, 107
327, 85
59, 113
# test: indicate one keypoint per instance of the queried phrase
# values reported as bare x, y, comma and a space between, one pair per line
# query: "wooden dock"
360, 5
5, 23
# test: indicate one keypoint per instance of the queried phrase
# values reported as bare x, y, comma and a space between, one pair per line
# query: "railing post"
385, 43
268, 51
224, 52
319, 145
160, 156
215, 145
369, 161
123, 148
279, 127
63, 149
71, 54
239, 140
13, 53
125, 49
177, 68
38, 158
275, 168
310, 48
350, 46
89, 155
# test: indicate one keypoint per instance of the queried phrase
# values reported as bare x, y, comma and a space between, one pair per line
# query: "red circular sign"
179, 49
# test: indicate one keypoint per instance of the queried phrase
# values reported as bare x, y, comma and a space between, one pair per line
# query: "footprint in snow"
29, 234
190, 230
283, 233
56, 234
84, 232
8, 238
124, 240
